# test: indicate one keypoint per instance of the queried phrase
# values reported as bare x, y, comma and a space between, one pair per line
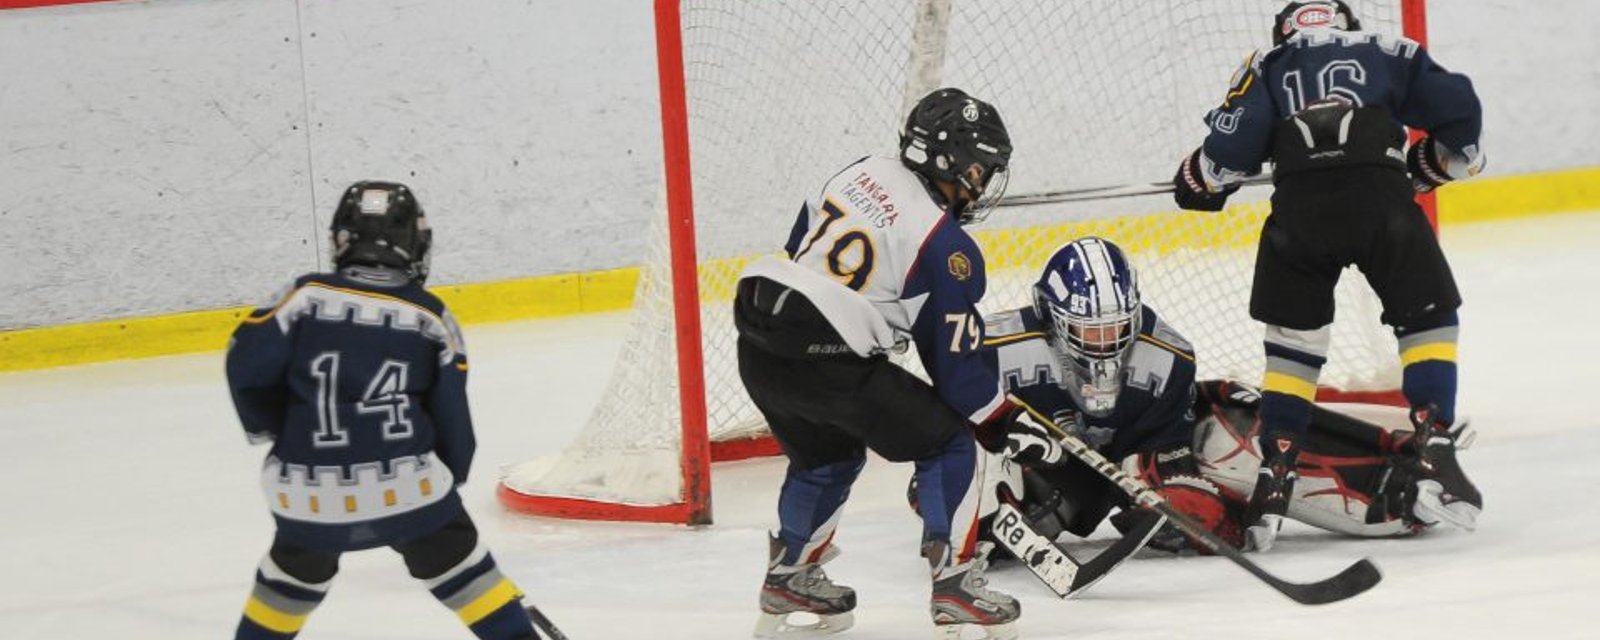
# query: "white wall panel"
160, 156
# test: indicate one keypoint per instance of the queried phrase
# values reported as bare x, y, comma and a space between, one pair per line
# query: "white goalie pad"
1226, 458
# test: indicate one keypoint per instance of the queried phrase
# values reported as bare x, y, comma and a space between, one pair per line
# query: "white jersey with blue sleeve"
879, 230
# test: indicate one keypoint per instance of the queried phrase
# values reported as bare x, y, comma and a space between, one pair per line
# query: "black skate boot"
1443, 491
961, 596
1270, 498
802, 588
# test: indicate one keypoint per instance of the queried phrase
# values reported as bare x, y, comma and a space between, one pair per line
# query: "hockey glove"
1432, 164
1422, 161
1029, 442
1189, 188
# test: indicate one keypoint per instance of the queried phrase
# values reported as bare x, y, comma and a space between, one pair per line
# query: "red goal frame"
694, 507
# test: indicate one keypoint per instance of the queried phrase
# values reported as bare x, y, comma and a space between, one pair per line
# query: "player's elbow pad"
1432, 164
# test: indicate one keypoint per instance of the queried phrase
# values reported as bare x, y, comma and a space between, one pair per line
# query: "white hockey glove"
1029, 442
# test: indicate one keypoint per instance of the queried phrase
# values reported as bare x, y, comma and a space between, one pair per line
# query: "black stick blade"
1354, 580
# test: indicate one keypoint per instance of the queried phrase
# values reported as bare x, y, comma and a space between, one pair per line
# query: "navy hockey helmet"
955, 138
1333, 14
382, 224
1088, 297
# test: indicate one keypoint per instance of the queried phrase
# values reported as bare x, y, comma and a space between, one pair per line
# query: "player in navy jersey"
1326, 105
358, 379
878, 257
1106, 367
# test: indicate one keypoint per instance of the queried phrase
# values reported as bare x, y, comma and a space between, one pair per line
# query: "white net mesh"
1094, 93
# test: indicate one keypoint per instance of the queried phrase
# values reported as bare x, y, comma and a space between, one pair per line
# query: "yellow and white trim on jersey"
328, 495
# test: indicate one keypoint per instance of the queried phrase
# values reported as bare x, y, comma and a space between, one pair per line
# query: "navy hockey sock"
945, 496
280, 602
1429, 356
1288, 388
809, 505
483, 598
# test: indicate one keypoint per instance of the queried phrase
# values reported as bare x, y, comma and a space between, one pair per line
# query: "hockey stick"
1105, 193
543, 622
1060, 571
1355, 579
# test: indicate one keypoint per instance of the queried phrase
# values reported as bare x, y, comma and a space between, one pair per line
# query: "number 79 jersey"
878, 229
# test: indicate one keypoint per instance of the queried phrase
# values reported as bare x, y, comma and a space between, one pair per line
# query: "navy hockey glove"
1189, 187
1029, 442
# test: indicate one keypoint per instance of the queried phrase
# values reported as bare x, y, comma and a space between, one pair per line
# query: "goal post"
762, 101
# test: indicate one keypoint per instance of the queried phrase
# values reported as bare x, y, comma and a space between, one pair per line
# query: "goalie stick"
544, 624
1053, 565
1353, 580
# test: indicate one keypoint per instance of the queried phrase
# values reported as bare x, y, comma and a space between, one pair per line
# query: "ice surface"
131, 509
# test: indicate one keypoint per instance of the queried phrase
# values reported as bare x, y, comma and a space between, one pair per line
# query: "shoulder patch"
960, 266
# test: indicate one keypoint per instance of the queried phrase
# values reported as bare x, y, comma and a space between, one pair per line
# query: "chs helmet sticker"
970, 112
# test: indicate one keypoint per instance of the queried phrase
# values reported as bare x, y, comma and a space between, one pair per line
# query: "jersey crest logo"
960, 266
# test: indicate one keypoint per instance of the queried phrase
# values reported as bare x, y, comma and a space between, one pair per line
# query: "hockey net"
777, 96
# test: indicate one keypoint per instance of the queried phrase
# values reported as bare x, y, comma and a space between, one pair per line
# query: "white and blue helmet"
1088, 296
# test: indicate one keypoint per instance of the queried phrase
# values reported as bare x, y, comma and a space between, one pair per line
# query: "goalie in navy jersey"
1326, 105
878, 257
1106, 367
358, 380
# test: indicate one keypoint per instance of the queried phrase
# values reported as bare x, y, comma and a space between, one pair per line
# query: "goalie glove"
1432, 164
1190, 189
1030, 442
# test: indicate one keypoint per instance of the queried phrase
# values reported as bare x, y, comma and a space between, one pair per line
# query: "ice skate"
961, 598
802, 589
1269, 501
1444, 494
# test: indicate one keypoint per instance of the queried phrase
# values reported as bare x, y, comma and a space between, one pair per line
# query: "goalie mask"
1088, 296
954, 138
382, 224
1330, 14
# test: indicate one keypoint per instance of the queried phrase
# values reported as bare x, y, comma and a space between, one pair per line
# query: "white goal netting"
1094, 93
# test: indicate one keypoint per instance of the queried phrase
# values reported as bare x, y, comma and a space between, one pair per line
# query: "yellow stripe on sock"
1445, 351
496, 597
272, 619
1289, 385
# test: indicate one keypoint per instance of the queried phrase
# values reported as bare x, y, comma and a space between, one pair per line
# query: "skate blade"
778, 625
1002, 631
1431, 510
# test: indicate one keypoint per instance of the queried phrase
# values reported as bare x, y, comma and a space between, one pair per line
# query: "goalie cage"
769, 98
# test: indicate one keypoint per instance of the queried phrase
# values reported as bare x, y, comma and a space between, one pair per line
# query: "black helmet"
953, 137
1333, 14
381, 224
